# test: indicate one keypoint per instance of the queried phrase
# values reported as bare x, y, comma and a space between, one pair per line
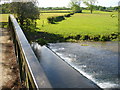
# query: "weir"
47, 70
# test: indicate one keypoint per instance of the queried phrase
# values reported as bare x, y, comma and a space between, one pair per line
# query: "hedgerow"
55, 19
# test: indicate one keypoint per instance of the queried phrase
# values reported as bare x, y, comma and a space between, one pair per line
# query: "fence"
31, 72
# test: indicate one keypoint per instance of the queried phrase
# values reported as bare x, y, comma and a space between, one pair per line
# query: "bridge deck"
8, 66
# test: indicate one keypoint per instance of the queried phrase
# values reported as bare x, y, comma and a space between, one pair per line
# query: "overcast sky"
65, 3
61, 3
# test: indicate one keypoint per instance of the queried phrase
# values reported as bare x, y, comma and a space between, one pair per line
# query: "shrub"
96, 38
85, 37
67, 15
77, 37
71, 13
105, 38
70, 37
59, 18
51, 20
80, 11
114, 36
42, 41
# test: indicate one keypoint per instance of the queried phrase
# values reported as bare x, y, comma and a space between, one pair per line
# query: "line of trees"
75, 6
5, 8
54, 8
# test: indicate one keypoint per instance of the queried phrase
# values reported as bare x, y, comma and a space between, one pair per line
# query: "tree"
90, 4
4, 8
75, 6
27, 13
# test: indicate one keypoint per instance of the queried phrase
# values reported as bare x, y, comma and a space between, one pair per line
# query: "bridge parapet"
31, 72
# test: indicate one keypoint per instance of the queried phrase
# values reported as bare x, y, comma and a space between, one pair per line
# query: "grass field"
4, 17
81, 23
55, 11
99, 26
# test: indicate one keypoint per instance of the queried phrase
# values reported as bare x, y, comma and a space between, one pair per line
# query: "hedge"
54, 19
111, 37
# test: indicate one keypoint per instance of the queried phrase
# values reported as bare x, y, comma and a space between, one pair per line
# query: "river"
98, 61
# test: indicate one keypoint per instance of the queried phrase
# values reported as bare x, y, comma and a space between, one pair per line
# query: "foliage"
94, 26
90, 4
51, 20
54, 8
59, 18
68, 15
24, 15
54, 19
55, 11
41, 41
75, 6
119, 17
5, 8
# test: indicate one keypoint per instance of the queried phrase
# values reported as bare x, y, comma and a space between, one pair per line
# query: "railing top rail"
33, 64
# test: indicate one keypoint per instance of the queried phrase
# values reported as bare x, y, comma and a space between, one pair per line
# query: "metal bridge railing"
31, 72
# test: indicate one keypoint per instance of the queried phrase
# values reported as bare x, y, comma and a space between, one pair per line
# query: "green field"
81, 23
4, 17
99, 26
55, 11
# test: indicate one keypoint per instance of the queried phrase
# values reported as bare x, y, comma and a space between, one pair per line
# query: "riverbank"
44, 37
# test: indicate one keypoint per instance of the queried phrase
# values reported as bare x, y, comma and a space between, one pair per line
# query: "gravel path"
9, 77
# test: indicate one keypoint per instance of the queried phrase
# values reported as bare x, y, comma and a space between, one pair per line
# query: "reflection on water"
96, 60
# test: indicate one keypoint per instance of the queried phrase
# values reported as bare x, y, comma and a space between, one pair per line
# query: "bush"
69, 37
96, 38
85, 37
105, 38
114, 36
71, 13
80, 11
59, 18
77, 37
67, 15
52, 20
42, 41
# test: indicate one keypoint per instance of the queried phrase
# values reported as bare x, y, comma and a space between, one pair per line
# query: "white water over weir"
59, 73
98, 61
65, 68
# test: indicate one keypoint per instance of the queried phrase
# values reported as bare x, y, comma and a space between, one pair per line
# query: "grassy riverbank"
82, 26
99, 26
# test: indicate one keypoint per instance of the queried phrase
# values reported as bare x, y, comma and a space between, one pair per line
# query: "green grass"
4, 17
99, 26
81, 23
55, 11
